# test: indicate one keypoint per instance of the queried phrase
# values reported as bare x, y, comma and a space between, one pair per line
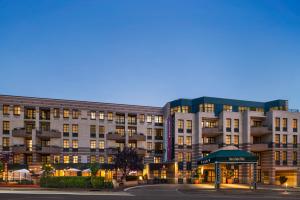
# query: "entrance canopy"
228, 156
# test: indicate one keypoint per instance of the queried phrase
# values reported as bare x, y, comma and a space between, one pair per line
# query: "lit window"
93, 158
92, 129
75, 128
149, 119
101, 159
295, 125
236, 139
110, 116
277, 155
101, 144
66, 128
228, 124
284, 124
180, 157
185, 109
66, 113
110, 159
66, 144
142, 118
243, 108
5, 142
180, 124
149, 145
277, 123
5, 109
56, 113
207, 107
75, 114
228, 139
277, 139
236, 123
56, 159
188, 157
158, 119
295, 139
6, 127
75, 144
131, 131
189, 124
284, 156
120, 131
93, 144
75, 159
101, 115
66, 159
101, 129
188, 140
149, 131
180, 140
17, 110
227, 108
284, 139
93, 115
157, 159
295, 156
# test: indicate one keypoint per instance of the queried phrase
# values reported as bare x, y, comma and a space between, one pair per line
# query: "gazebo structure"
230, 156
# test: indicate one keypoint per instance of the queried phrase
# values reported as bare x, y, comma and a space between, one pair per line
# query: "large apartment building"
171, 139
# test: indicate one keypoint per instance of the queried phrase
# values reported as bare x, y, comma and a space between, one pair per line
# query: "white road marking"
67, 193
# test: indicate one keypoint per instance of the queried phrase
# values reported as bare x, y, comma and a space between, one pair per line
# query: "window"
66, 144
180, 157
142, 118
74, 128
17, 110
29, 113
284, 139
228, 125
180, 140
277, 139
120, 131
101, 144
101, 159
109, 159
74, 144
295, 125
227, 108
158, 119
236, 140
149, 119
284, 157
188, 140
236, 125
185, 109
101, 115
295, 138
149, 146
277, 124
207, 107
6, 127
284, 124
93, 115
5, 109
5, 142
56, 113
131, 131
93, 144
149, 132
75, 114
243, 108
110, 116
228, 139
209, 140
180, 125
66, 113
209, 124
93, 158
56, 159
92, 129
157, 159
101, 130
188, 157
295, 156
255, 123
175, 109
66, 128
277, 155
66, 159
75, 159
132, 119
189, 126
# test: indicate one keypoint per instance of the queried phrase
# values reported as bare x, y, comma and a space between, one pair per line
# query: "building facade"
171, 139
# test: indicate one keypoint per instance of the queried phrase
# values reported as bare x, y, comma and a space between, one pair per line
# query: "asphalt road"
165, 192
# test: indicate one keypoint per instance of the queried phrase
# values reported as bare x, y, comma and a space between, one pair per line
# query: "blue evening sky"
149, 52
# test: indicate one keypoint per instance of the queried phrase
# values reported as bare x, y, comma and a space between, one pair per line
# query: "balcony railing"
48, 149
158, 137
115, 136
137, 137
21, 132
49, 134
260, 130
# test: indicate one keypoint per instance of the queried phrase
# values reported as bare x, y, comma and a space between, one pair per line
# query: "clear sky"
149, 52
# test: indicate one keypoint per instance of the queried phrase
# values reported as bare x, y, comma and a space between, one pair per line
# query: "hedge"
74, 182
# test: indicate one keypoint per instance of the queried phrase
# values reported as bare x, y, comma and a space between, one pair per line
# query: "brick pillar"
272, 175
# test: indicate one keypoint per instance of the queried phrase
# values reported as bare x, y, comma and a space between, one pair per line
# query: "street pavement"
154, 192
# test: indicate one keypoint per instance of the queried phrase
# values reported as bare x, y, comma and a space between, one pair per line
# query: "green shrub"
97, 182
25, 182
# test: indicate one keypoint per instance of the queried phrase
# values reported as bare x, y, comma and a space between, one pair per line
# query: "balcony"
21, 149
158, 137
21, 132
49, 134
115, 136
141, 151
210, 147
260, 147
137, 137
211, 132
260, 130
48, 150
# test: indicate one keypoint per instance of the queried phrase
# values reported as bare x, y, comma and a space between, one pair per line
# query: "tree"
1, 167
48, 169
283, 179
94, 169
128, 160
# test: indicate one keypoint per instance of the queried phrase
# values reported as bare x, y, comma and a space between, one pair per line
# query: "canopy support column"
217, 175
254, 176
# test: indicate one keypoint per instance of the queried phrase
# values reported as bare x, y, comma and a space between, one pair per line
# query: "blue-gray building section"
219, 102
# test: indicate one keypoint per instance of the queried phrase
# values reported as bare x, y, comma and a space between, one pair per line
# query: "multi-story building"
171, 138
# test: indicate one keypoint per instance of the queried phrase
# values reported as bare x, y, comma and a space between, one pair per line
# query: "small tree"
128, 160
94, 169
283, 180
48, 169
1, 167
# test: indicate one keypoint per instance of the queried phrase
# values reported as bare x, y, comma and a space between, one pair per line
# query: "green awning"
228, 156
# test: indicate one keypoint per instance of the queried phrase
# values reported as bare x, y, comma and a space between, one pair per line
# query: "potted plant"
229, 176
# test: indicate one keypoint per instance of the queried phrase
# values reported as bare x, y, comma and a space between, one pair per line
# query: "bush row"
74, 182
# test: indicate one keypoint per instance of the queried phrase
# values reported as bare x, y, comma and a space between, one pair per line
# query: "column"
218, 175
254, 176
